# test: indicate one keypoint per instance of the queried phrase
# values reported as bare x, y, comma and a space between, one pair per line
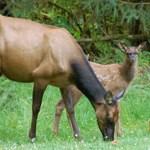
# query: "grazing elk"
33, 52
114, 77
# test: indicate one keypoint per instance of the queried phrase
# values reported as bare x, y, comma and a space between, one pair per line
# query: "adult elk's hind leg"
67, 97
76, 94
38, 91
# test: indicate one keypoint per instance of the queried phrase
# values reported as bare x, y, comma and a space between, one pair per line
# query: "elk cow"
33, 52
114, 77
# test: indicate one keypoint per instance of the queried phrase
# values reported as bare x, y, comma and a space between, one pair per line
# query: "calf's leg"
59, 109
118, 128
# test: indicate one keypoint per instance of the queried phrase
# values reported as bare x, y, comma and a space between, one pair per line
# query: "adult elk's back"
114, 77
32, 52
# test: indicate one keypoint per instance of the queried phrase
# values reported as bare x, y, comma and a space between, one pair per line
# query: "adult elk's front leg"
38, 91
67, 97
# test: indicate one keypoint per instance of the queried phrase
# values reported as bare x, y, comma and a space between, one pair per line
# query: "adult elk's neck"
129, 69
87, 82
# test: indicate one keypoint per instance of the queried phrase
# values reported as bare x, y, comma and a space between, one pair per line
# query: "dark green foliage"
92, 19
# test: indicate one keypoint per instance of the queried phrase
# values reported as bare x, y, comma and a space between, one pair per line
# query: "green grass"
15, 118
16, 115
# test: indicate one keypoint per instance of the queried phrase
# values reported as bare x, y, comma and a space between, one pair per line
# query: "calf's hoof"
119, 133
55, 131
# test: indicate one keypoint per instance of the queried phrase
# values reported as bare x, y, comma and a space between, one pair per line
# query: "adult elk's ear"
118, 96
109, 98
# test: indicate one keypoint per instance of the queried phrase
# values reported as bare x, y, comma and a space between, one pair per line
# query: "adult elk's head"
132, 51
107, 113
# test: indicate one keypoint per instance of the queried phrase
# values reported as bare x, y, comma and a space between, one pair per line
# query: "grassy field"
15, 114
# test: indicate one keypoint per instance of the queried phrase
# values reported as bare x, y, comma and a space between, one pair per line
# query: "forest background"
97, 25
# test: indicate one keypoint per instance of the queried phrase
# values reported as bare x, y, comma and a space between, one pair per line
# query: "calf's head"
132, 51
107, 113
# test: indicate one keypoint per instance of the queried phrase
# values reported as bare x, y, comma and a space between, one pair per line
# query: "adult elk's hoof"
33, 140
77, 136
32, 137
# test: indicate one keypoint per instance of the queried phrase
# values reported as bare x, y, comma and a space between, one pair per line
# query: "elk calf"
114, 77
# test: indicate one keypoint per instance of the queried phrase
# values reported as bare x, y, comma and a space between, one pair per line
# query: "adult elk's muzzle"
107, 115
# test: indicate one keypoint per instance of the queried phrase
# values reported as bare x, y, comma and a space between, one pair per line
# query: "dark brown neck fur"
87, 82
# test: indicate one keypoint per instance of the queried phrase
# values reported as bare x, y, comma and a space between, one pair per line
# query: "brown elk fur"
33, 52
114, 77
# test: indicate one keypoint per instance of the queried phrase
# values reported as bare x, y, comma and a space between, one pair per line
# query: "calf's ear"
141, 46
